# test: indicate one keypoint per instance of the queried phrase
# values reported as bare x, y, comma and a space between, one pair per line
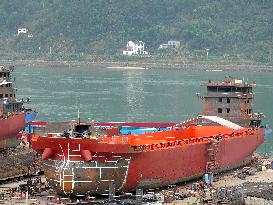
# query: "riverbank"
146, 65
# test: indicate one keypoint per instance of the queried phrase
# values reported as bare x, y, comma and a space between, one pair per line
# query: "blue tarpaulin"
137, 130
30, 117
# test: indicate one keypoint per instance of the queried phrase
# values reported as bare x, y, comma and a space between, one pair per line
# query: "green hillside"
76, 29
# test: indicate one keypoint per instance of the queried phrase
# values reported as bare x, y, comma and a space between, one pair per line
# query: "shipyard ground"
230, 188
231, 185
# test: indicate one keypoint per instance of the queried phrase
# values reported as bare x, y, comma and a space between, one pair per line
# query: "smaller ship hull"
11, 126
13, 116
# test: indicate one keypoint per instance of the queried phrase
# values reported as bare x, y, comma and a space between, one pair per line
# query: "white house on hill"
22, 30
174, 44
135, 48
170, 44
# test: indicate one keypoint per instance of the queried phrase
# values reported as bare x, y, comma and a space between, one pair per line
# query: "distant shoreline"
120, 65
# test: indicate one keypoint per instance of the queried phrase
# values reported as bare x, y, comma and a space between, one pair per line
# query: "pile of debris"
18, 163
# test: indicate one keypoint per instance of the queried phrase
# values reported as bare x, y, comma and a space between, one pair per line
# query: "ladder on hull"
212, 165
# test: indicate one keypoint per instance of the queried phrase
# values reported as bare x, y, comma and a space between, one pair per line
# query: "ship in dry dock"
91, 157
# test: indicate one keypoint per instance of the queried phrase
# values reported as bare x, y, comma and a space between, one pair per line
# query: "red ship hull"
170, 166
9, 128
80, 166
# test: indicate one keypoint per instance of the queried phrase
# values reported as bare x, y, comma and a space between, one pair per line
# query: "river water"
104, 94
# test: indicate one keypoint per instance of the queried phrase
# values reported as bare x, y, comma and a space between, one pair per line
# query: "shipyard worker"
193, 186
85, 134
90, 135
5, 101
70, 131
218, 137
66, 134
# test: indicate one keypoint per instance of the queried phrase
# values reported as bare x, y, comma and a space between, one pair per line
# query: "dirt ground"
226, 180
230, 180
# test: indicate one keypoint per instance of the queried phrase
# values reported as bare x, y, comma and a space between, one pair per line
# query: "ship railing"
232, 82
27, 109
229, 94
155, 144
23, 100
8, 114
8, 80
59, 135
54, 134
257, 116
115, 139
73, 135
183, 142
185, 124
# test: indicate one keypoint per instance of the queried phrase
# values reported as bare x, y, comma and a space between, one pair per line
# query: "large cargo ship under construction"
91, 157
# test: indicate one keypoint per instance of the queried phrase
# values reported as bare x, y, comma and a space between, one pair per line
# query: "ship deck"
145, 135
